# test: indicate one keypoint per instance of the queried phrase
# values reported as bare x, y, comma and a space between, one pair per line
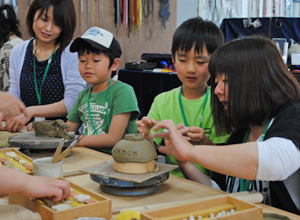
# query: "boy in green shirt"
193, 43
108, 108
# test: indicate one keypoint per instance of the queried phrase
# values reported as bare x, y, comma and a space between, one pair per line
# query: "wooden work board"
106, 169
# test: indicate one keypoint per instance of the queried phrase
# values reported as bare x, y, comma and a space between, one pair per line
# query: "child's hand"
145, 125
175, 143
29, 127
195, 134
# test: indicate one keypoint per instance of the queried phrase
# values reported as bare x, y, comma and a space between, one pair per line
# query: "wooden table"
174, 190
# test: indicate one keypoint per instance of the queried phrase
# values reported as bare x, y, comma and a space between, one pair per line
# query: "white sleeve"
278, 158
214, 184
16, 61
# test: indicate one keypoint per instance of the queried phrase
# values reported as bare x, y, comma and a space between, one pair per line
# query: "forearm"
192, 172
97, 141
57, 109
12, 181
240, 160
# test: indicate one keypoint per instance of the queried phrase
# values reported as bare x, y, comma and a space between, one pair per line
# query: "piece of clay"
51, 128
89, 201
74, 194
22, 161
67, 202
3, 160
82, 197
61, 207
28, 167
17, 159
11, 154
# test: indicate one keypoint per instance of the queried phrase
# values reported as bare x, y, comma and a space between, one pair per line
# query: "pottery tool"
66, 151
58, 151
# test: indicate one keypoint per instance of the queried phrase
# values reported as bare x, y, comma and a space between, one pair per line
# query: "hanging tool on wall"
139, 14
27, 3
100, 12
125, 12
93, 14
82, 12
148, 6
164, 11
88, 12
131, 15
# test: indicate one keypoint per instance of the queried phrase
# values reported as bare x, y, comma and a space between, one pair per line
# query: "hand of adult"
175, 143
145, 125
17, 123
10, 106
44, 187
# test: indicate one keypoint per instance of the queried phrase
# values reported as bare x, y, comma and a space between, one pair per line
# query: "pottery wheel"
128, 188
28, 140
121, 191
123, 184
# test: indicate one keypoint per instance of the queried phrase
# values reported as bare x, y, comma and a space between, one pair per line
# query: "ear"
115, 64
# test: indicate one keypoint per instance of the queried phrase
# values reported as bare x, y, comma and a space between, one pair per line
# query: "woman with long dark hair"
256, 97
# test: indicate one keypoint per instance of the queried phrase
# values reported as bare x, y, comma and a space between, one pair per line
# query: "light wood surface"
172, 192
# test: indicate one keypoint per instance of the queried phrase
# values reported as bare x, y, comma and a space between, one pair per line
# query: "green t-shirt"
166, 106
121, 99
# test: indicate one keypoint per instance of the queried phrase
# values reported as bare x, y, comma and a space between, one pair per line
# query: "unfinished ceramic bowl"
134, 155
51, 128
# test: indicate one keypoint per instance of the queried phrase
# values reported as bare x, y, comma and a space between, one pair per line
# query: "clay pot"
135, 149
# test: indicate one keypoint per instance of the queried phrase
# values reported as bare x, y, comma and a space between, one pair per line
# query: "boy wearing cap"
108, 108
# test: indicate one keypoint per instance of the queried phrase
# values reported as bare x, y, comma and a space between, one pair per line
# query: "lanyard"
106, 107
39, 92
244, 184
182, 110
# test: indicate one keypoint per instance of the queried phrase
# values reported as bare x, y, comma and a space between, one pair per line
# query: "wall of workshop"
151, 38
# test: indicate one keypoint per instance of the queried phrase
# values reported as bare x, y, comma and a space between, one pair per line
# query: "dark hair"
197, 32
9, 23
64, 17
259, 83
86, 47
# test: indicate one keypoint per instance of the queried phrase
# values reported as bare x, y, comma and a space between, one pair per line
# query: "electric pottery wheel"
133, 170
